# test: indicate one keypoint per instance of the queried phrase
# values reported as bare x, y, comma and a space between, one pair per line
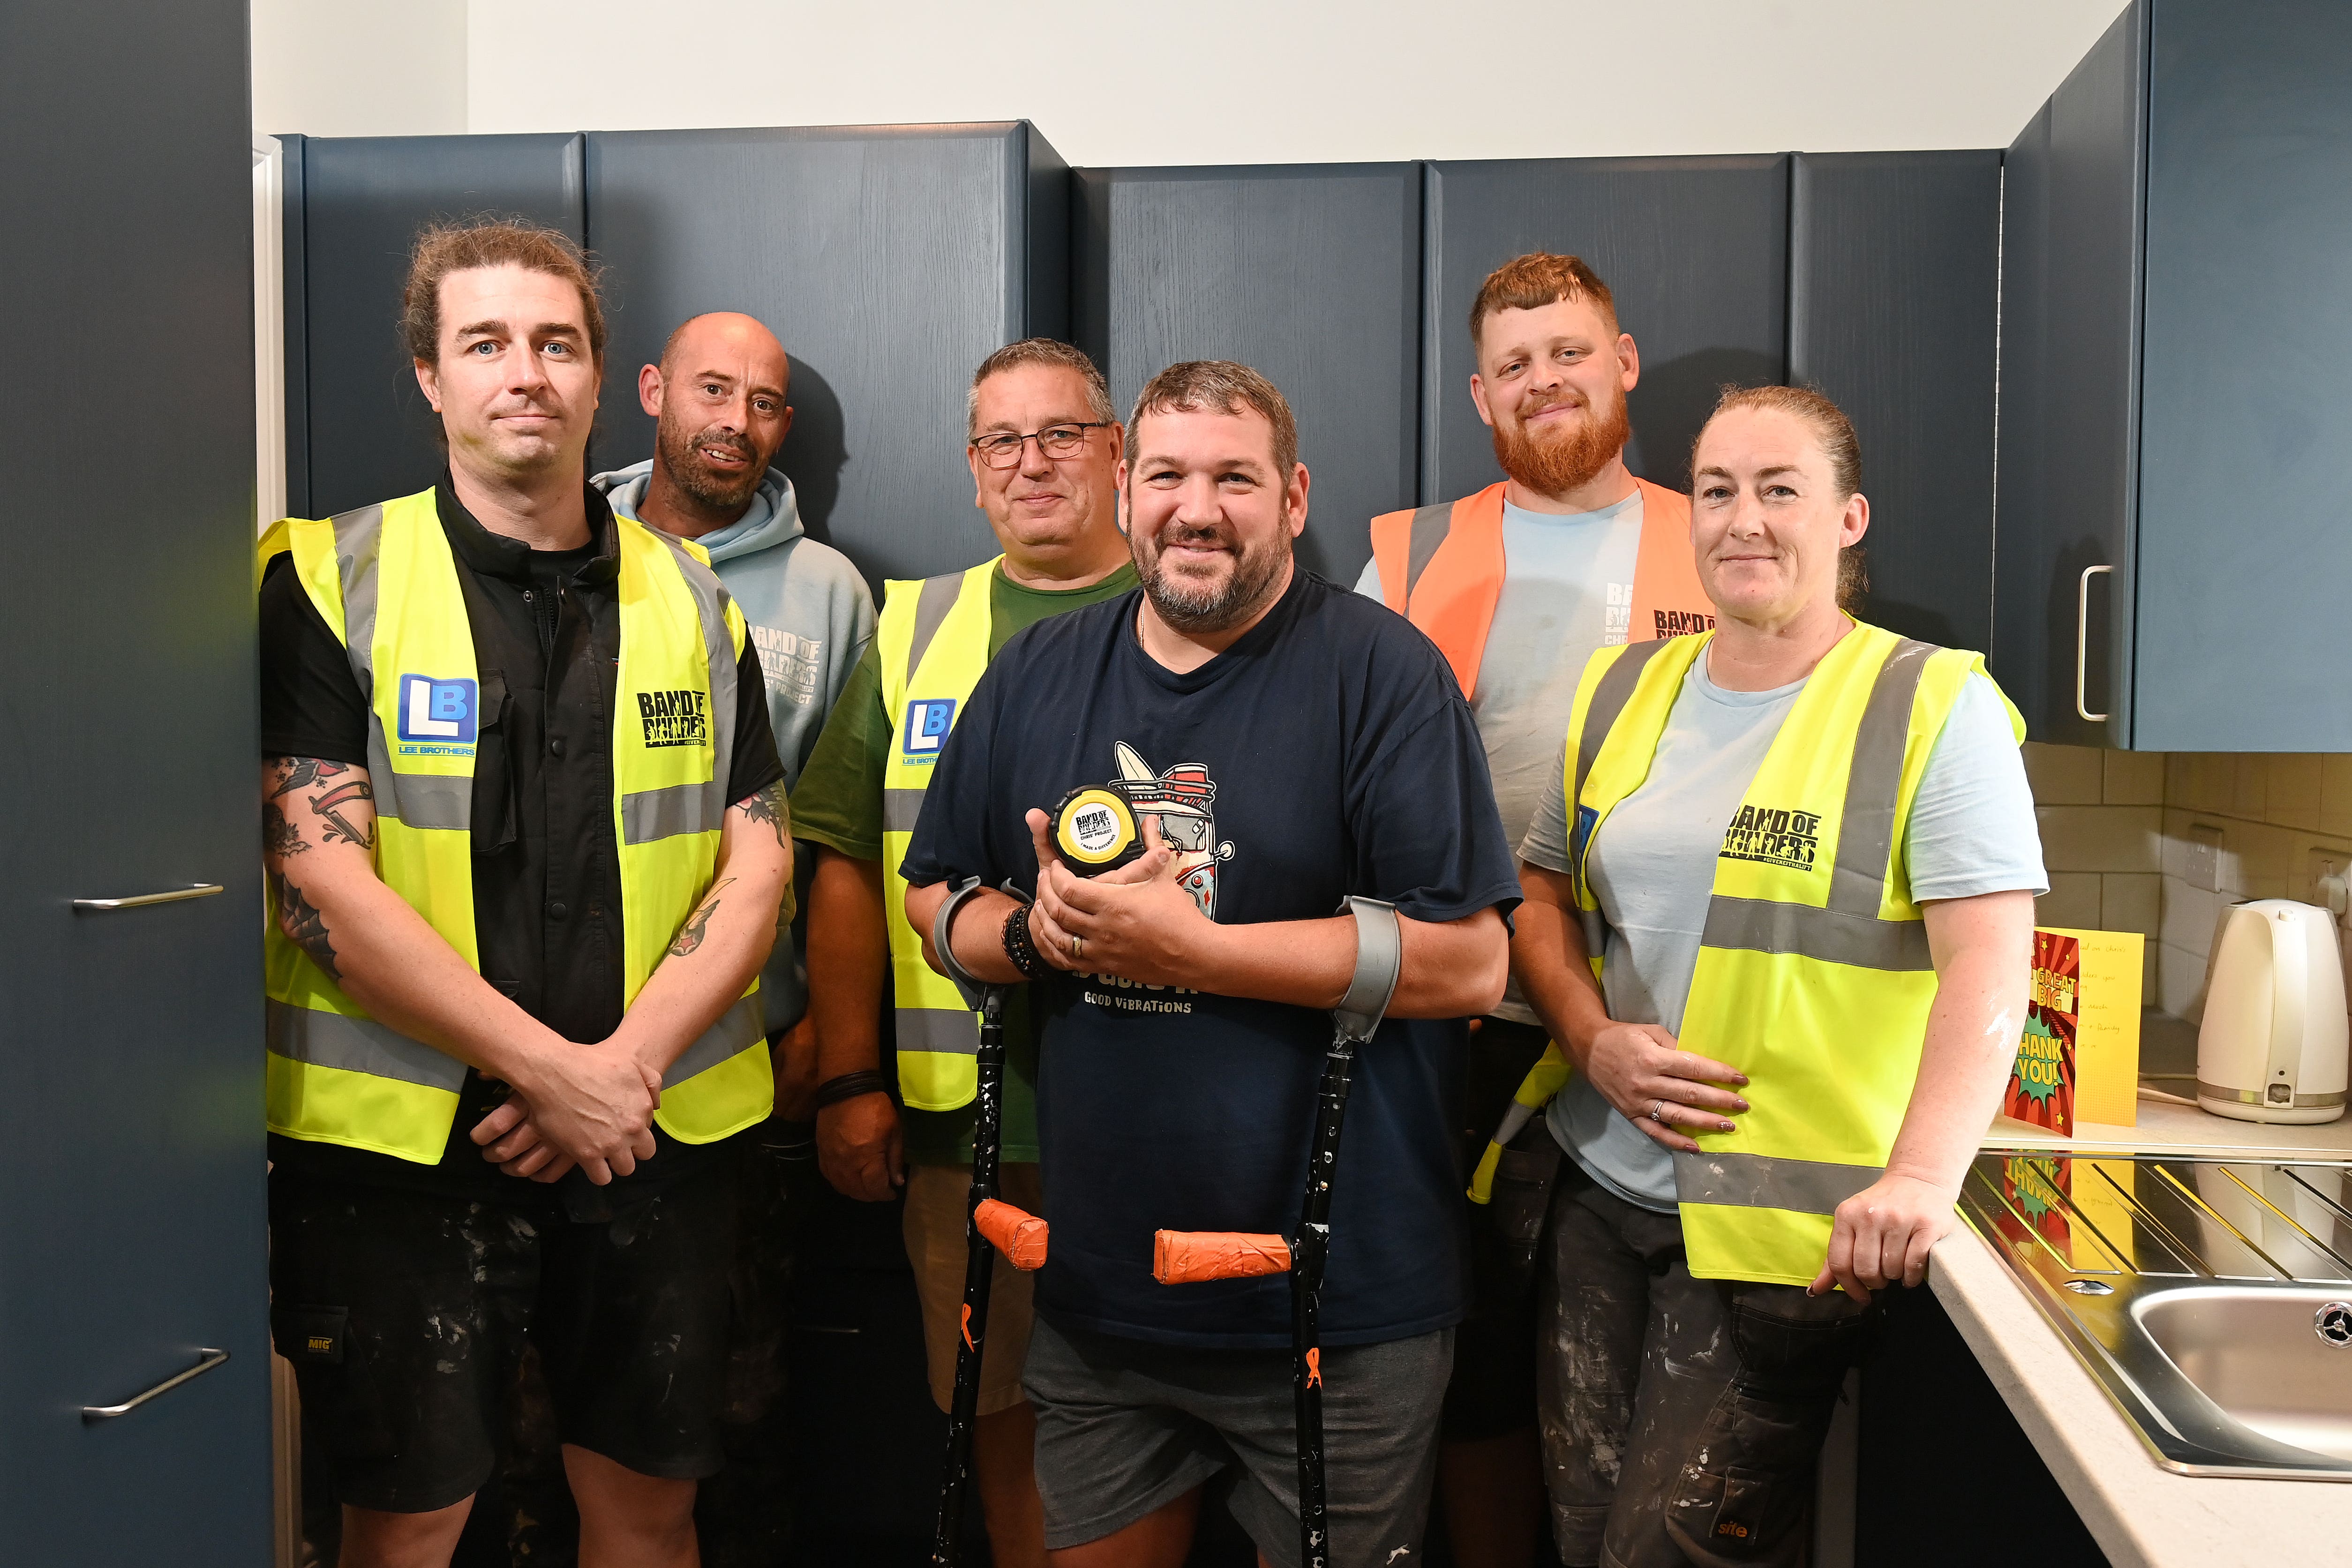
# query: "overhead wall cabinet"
132, 1243
2174, 549
1309, 273
1894, 302
889, 260
359, 430
1694, 249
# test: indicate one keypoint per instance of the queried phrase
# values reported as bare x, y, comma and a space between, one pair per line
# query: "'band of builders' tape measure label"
1095, 830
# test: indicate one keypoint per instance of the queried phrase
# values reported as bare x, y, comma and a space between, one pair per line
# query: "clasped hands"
1136, 923
588, 1106
1879, 1238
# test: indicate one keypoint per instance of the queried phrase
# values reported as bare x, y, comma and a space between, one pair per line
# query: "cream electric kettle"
2272, 1044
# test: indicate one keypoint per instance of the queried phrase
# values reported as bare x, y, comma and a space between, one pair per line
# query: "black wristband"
849, 1086
1019, 949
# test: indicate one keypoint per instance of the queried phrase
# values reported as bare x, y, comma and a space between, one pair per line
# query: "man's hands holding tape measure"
1135, 922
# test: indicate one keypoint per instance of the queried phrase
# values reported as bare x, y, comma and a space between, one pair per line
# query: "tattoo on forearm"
301, 772
338, 825
698, 924
279, 837
768, 806
303, 923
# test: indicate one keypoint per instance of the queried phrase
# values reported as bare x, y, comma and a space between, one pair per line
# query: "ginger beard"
1553, 465
715, 488
1197, 601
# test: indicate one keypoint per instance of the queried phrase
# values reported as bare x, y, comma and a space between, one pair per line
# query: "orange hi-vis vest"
1442, 569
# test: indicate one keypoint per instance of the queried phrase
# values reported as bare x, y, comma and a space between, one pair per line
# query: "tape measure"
1095, 828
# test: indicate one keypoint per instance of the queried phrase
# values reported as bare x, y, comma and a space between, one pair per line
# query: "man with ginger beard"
1518, 586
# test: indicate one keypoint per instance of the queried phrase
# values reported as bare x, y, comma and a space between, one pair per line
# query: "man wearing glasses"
1043, 443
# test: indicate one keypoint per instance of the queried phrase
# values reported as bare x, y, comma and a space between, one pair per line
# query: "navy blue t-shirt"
1326, 752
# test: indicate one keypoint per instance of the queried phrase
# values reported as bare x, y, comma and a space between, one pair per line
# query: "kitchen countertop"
2140, 1513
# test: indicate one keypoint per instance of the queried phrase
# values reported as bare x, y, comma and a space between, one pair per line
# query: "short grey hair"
1040, 351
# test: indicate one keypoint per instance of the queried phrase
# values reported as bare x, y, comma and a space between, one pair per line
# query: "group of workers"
1746, 882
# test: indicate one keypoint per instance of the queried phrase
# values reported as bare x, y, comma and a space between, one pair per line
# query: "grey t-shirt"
1568, 590
1972, 831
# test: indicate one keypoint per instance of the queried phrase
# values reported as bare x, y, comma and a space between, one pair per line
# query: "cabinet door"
131, 1241
1309, 273
1894, 311
2063, 572
2245, 560
358, 429
890, 262
1694, 250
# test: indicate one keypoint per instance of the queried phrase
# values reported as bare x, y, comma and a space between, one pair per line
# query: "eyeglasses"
1002, 450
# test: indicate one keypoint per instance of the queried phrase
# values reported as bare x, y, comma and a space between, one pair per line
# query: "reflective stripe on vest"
932, 643
1441, 567
1813, 974
385, 582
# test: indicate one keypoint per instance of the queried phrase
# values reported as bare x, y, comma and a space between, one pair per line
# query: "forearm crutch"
991, 1225
1179, 1256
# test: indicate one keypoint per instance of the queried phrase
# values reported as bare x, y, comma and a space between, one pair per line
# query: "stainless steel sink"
2211, 1299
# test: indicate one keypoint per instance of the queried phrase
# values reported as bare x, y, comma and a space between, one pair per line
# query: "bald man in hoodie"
718, 398
718, 401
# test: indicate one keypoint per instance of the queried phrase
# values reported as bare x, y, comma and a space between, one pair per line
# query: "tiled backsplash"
2162, 843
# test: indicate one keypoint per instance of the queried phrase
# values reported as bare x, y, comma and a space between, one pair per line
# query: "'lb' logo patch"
929, 719
436, 713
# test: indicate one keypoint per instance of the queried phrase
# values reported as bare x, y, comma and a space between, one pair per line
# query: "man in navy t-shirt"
1282, 744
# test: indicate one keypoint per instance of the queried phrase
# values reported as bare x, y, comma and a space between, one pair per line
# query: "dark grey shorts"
1125, 1427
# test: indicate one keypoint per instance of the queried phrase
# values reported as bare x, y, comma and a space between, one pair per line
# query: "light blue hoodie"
811, 617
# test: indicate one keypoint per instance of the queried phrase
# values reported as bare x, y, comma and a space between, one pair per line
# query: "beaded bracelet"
1019, 949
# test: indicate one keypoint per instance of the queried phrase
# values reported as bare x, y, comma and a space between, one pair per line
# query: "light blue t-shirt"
1567, 590
1972, 830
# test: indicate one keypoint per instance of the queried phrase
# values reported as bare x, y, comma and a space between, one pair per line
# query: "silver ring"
1655, 1106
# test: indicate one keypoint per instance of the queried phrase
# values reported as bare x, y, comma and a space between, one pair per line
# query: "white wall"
359, 68
1197, 81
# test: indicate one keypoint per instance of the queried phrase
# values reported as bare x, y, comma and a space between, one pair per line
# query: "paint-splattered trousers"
406, 1314
1682, 1418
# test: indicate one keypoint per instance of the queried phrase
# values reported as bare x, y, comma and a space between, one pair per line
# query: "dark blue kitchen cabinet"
132, 1245
2174, 411
1694, 249
357, 427
890, 260
1308, 273
1894, 302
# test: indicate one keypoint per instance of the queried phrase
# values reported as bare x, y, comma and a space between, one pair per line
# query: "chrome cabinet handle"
2083, 641
139, 901
211, 1358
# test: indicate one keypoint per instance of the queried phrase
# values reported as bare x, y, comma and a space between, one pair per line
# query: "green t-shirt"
838, 803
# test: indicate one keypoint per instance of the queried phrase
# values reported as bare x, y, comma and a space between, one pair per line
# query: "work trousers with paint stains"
1682, 1418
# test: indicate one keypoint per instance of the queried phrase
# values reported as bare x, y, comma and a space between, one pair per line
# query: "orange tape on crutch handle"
1189, 1257
1019, 1235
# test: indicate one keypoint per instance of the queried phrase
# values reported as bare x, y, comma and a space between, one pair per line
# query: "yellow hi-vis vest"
1813, 973
386, 582
933, 640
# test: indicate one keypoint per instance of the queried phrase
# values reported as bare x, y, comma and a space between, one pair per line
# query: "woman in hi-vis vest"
1779, 917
